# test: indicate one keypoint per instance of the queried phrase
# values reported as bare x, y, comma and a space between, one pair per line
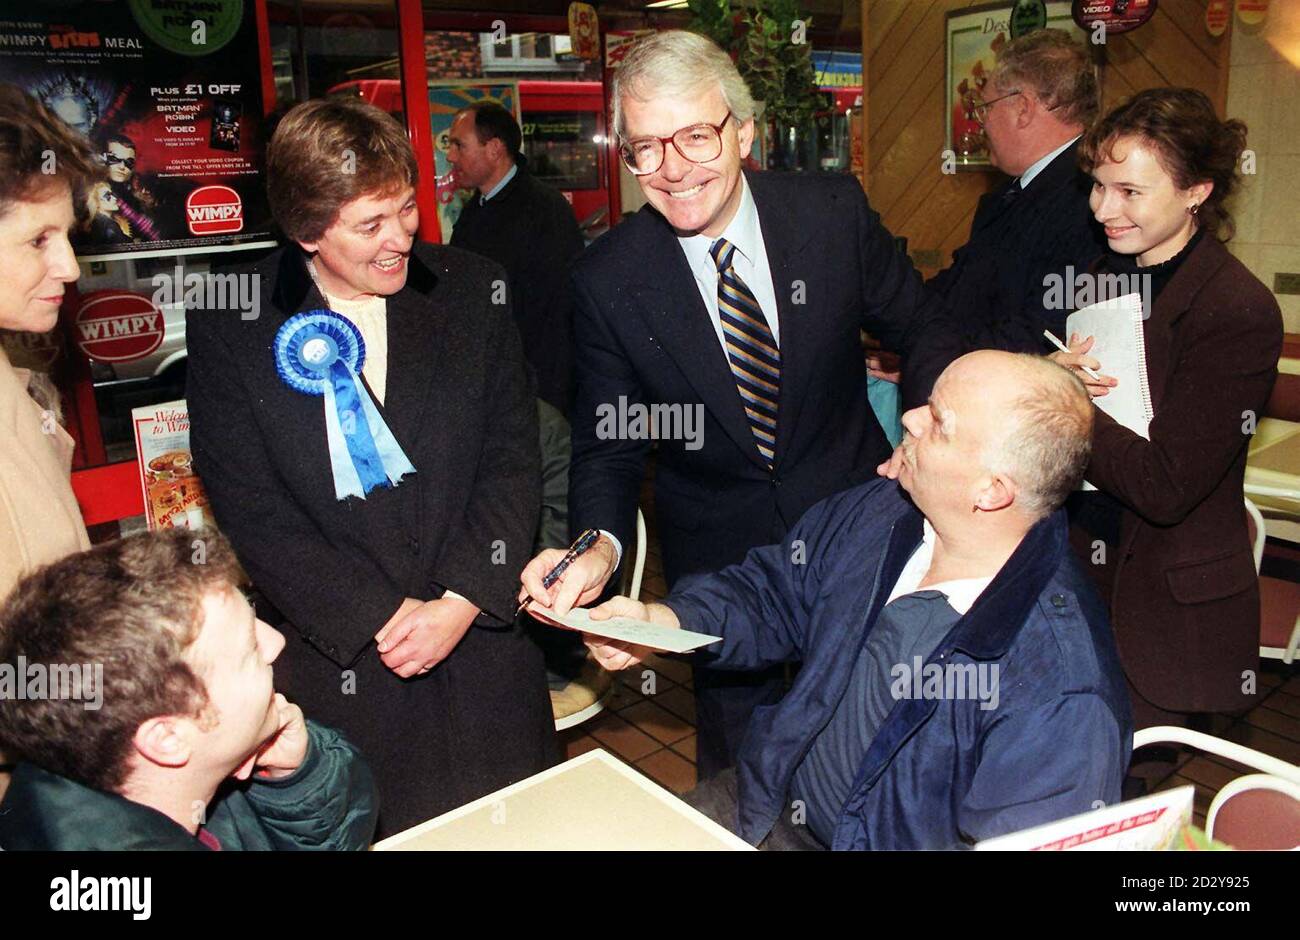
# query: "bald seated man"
959, 677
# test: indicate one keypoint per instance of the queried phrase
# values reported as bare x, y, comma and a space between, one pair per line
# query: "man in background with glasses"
737, 297
1041, 95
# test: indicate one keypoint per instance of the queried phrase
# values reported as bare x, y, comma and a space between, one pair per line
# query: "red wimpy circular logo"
214, 210
118, 326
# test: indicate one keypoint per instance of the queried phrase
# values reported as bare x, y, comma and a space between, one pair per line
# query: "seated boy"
136, 698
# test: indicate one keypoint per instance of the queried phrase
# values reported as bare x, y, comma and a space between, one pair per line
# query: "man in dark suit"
399, 604
1040, 96
526, 227
725, 316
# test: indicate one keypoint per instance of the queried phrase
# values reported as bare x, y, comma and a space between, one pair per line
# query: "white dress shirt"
961, 593
1038, 165
749, 262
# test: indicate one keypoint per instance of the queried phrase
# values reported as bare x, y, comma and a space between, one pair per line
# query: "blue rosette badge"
321, 353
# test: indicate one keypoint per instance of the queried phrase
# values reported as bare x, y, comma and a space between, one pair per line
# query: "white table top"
592, 802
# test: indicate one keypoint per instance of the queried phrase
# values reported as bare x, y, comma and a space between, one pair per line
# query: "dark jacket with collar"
995, 282
1184, 590
528, 228
940, 773
643, 336
461, 405
327, 804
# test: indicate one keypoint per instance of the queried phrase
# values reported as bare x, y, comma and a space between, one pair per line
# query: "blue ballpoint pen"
585, 541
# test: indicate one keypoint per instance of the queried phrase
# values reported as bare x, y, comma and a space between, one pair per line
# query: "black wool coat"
461, 405
996, 280
528, 228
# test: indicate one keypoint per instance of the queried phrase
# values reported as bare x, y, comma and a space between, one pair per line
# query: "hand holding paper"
621, 632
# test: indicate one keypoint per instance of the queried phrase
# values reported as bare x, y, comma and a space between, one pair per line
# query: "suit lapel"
785, 244
1174, 301
415, 352
413, 322
680, 325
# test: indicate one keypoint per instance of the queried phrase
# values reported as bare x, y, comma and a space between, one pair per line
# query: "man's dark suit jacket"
643, 334
461, 405
995, 281
528, 228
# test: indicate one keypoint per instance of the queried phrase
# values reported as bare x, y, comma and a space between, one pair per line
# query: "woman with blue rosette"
367, 434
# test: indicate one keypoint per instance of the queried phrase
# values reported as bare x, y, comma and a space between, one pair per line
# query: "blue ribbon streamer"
363, 453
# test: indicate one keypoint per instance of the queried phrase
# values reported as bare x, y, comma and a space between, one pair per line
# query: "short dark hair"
1191, 143
29, 135
133, 606
493, 122
325, 153
115, 137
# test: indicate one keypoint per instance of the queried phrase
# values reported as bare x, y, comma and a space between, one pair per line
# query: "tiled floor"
650, 720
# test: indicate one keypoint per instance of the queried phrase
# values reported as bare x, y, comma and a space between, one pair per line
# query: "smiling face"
365, 250
36, 260
695, 198
1139, 204
233, 654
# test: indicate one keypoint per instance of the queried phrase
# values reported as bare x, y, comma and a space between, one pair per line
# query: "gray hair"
1048, 442
676, 62
1057, 68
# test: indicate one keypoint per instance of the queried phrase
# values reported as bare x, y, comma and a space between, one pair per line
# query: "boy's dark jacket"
328, 803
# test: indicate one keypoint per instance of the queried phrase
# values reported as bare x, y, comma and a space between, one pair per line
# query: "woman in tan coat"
1177, 568
39, 518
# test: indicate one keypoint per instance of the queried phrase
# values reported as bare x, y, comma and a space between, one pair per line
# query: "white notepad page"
1120, 347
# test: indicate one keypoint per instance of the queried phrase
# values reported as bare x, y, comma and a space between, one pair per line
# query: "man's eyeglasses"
698, 143
112, 159
979, 110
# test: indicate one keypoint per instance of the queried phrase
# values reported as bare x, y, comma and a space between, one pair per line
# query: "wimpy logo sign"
115, 327
214, 213
214, 210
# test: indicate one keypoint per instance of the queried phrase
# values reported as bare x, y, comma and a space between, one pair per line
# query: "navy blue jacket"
940, 773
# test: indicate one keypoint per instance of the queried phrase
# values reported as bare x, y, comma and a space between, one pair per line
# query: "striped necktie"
751, 349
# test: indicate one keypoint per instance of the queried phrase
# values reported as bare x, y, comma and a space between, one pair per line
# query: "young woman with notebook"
1165, 536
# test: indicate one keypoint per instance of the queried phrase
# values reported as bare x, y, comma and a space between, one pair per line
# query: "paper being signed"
640, 632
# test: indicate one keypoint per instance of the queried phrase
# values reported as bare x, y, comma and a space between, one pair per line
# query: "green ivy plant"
759, 37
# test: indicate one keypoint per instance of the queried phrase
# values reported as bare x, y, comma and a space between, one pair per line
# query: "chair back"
1255, 526
1257, 811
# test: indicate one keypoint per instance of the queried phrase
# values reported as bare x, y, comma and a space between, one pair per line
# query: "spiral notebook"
1120, 347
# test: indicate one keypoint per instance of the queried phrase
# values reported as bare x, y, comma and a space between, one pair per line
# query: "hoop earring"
1193, 208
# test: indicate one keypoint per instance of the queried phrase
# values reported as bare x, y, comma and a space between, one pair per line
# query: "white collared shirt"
750, 263
510, 174
961, 593
1040, 164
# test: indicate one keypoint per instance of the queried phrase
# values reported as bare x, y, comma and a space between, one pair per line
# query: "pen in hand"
584, 542
1066, 349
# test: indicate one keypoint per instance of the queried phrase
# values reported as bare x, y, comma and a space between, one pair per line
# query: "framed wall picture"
972, 39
